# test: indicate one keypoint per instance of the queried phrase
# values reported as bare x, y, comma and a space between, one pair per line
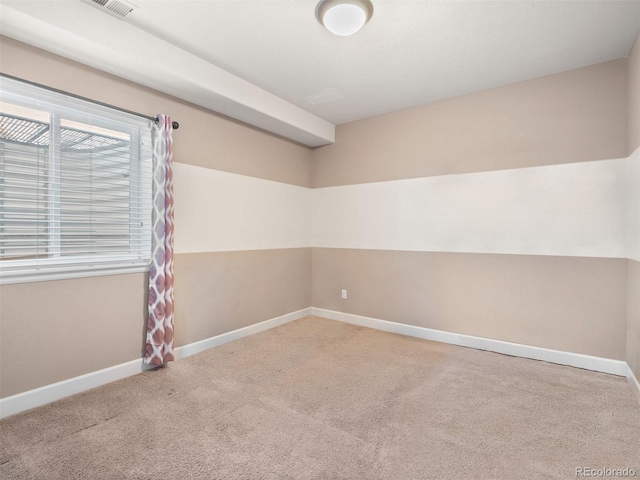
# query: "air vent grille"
117, 8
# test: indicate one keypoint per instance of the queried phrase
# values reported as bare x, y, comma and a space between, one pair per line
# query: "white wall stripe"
218, 211
598, 364
576, 209
633, 207
56, 391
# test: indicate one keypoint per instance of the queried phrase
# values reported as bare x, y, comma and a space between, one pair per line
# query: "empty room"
319, 239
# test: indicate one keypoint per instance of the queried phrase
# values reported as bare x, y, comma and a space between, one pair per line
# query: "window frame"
74, 109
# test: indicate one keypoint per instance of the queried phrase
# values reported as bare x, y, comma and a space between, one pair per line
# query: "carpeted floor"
317, 399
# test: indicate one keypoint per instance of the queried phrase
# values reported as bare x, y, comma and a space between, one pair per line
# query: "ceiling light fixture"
344, 17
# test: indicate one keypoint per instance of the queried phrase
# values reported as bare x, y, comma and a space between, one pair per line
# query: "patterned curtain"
159, 348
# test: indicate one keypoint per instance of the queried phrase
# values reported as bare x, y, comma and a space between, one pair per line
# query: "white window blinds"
75, 186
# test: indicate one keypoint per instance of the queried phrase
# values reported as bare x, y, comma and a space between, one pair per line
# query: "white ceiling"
412, 52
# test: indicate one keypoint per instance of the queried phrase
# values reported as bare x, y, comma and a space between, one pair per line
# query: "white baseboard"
598, 364
633, 381
206, 344
56, 391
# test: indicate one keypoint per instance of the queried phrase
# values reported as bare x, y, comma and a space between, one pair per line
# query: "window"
75, 186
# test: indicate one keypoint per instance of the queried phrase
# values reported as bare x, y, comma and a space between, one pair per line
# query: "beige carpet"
317, 399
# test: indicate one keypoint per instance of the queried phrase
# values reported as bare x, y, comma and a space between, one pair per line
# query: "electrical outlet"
344, 294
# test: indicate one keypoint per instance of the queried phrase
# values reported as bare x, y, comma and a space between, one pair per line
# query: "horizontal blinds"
75, 190
23, 202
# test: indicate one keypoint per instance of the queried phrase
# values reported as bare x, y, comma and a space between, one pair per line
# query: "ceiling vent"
117, 8
324, 96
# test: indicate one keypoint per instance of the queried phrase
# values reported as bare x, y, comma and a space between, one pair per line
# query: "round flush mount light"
344, 17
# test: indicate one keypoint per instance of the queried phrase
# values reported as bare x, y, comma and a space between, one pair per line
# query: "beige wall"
633, 283
523, 280
633, 316
634, 97
51, 331
575, 116
222, 291
204, 139
574, 304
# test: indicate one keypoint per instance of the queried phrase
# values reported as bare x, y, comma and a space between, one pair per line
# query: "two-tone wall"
633, 212
242, 251
242, 241
510, 214
500, 214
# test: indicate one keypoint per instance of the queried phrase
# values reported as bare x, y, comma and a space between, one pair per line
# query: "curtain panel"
159, 343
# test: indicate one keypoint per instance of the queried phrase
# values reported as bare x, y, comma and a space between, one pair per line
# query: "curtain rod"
175, 125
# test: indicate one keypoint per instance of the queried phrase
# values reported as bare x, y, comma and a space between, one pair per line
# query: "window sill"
51, 274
